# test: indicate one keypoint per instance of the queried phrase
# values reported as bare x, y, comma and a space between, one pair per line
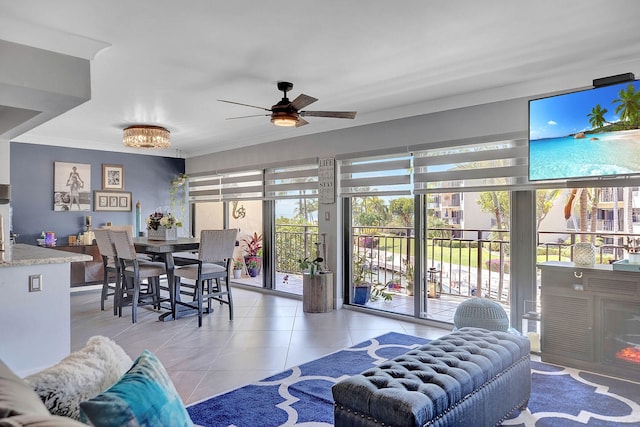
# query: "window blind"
473, 167
291, 182
379, 175
209, 187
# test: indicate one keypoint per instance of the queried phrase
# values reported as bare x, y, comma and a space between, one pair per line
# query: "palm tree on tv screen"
628, 106
596, 117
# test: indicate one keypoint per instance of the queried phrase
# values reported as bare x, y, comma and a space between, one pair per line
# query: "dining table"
165, 249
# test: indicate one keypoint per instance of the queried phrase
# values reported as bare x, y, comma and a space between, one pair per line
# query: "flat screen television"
585, 134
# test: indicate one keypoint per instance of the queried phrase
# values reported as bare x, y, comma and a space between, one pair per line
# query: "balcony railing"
460, 262
294, 242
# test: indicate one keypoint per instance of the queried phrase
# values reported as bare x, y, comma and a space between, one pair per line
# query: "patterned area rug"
301, 396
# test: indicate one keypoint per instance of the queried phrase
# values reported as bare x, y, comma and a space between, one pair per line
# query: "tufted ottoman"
471, 377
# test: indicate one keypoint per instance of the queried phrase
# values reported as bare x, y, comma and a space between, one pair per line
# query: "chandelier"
144, 136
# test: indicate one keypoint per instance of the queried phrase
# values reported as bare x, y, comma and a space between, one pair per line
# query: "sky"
561, 115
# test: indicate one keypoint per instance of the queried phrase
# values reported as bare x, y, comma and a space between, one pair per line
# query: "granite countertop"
21, 254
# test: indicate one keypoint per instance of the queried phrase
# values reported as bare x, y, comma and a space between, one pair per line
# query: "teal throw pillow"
144, 396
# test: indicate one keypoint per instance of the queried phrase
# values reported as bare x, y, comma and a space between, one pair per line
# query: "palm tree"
596, 117
583, 198
628, 105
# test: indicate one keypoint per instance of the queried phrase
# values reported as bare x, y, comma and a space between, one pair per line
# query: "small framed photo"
112, 177
113, 201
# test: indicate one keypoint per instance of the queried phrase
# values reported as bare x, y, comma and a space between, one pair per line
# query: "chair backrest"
217, 245
128, 227
123, 244
105, 246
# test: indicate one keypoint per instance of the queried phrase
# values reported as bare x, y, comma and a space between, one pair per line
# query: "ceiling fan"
287, 113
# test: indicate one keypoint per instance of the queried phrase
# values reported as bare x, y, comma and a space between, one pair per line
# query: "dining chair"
207, 273
111, 267
133, 272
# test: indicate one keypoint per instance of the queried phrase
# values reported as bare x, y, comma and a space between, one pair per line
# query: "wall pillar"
523, 252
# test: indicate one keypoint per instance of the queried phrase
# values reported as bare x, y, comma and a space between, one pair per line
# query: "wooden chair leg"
136, 298
116, 294
209, 291
105, 289
230, 299
122, 291
155, 283
174, 290
199, 299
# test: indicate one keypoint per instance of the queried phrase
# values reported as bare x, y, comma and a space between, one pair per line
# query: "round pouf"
481, 313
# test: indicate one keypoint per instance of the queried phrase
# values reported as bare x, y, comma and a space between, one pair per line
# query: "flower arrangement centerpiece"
162, 226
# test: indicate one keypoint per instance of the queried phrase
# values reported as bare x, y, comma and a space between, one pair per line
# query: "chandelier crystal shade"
144, 136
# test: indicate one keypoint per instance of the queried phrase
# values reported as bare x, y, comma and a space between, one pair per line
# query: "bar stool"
212, 266
133, 272
111, 268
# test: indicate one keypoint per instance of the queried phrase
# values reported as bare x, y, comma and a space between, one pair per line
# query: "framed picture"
112, 177
71, 187
113, 201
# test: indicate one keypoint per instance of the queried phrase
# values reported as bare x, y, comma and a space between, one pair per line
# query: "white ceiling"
168, 61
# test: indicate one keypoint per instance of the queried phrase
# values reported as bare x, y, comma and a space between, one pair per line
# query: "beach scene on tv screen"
589, 133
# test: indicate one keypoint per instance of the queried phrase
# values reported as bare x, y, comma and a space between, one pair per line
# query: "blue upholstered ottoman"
469, 378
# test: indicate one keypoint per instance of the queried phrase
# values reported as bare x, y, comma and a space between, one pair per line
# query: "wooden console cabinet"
578, 324
87, 272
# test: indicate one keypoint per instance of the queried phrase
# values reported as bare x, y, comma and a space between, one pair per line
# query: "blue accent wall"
32, 173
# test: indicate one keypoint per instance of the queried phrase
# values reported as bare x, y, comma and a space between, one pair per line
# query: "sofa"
98, 385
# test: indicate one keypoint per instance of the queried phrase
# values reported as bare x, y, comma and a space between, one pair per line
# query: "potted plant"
178, 195
379, 290
317, 287
312, 267
237, 268
362, 288
253, 267
395, 284
408, 275
252, 247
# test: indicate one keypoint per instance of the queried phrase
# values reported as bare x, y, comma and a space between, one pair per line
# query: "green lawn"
463, 255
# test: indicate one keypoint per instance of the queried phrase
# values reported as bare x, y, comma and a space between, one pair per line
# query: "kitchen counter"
35, 306
21, 254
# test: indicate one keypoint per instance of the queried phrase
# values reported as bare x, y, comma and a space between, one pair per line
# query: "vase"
162, 233
253, 264
237, 273
584, 254
362, 294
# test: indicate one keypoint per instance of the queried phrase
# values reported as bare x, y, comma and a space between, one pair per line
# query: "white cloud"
551, 123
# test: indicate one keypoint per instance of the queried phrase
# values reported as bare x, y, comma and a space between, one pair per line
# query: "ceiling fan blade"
302, 101
244, 117
301, 122
246, 105
334, 114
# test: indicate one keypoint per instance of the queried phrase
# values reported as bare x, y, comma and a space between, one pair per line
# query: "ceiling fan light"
284, 119
145, 136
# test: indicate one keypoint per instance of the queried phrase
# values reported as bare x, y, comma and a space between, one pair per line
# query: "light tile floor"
441, 309
269, 333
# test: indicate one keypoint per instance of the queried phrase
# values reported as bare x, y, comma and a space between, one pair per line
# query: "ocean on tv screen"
587, 133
